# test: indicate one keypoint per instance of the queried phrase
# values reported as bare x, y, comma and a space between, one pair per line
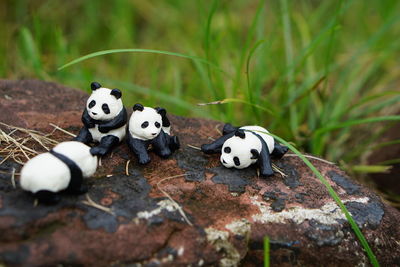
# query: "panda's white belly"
269, 140
97, 135
167, 130
45, 172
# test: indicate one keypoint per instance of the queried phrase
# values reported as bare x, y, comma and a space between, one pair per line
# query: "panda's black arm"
160, 144
119, 121
229, 128
87, 120
215, 147
264, 160
139, 148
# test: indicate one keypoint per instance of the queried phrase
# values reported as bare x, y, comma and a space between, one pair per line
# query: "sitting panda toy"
104, 119
241, 147
150, 126
60, 169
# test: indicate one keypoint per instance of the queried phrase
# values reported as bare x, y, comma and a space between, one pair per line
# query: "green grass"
323, 74
266, 252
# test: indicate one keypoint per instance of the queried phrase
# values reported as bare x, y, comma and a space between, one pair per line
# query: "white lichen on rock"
219, 239
239, 227
165, 204
329, 213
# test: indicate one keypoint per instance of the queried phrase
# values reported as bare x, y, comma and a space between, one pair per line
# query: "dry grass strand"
89, 202
194, 147
56, 127
179, 208
17, 147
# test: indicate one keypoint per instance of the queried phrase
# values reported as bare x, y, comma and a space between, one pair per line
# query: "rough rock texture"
231, 210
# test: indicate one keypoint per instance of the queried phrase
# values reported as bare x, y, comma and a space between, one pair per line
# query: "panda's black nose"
94, 113
223, 161
154, 133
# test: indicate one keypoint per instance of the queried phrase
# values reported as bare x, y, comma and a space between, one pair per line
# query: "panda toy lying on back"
241, 147
150, 126
104, 119
60, 169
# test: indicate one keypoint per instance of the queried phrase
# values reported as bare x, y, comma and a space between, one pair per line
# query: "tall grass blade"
248, 39
30, 51
371, 168
237, 100
287, 34
306, 92
139, 50
266, 252
371, 98
249, 88
207, 47
317, 146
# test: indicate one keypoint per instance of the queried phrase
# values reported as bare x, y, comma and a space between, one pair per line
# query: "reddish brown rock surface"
231, 210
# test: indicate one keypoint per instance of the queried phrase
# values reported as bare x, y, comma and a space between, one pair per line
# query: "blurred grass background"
323, 74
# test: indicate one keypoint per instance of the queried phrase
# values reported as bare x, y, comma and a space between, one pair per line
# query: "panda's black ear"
161, 111
255, 153
138, 106
95, 86
240, 133
116, 92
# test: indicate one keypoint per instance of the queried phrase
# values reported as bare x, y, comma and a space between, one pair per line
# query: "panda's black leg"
264, 160
279, 150
161, 145
84, 136
139, 148
105, 146
79, 190
47, 197
173, 142
228, 128
215, 147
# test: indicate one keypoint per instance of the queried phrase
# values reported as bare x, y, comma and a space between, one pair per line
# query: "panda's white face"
237, 152
145, 124
103, 105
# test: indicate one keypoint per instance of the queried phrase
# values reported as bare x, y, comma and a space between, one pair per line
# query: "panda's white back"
80, 154
269, 140
45, 172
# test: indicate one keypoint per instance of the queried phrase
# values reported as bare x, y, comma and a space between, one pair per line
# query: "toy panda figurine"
62, 168
241, 147
104, 119
150, 126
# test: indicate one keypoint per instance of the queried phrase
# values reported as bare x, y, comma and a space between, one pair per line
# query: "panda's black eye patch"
236, 161
227, 150
145, 124
92, 104
105, 108
157, 124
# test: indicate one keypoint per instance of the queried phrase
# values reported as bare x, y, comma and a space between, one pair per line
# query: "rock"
231, 210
